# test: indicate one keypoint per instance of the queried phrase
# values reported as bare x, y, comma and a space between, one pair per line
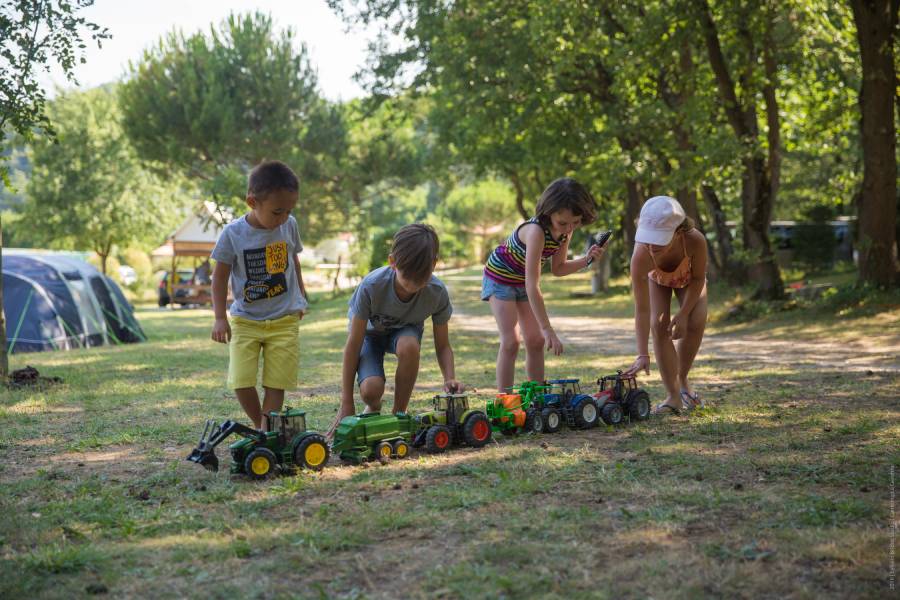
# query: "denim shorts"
371, 355
501, 291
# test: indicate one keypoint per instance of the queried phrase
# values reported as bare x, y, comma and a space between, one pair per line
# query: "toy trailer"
620, 395
452, 422
520, 411
373, 435
285, 443
579, 410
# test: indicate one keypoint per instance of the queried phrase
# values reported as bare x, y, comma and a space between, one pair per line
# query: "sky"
137, 24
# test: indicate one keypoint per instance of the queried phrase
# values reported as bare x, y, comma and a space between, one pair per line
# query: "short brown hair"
415, 250
271, 176
686, 225
564, 193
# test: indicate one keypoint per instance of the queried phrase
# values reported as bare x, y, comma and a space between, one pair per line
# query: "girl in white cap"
669, 256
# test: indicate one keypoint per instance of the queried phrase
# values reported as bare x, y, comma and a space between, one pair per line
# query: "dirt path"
616, 336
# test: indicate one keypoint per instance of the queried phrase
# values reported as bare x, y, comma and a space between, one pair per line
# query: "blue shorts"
501, 291
371, 355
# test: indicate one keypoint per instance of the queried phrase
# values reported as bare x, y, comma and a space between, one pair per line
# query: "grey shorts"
371, 355
501, 291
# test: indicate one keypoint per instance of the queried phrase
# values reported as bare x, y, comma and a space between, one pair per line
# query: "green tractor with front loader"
452, 422
286, 443
372, 435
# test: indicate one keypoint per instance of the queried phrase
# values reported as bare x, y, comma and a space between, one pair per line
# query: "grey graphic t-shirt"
376, 301
263, 278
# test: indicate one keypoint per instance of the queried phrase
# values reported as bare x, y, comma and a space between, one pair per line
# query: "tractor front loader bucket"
205, 453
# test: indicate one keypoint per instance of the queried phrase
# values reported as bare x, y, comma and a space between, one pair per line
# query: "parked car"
127, 275
181, 296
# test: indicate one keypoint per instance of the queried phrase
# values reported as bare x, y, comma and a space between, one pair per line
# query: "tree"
34, 33
214, 105
88, 189
876, 29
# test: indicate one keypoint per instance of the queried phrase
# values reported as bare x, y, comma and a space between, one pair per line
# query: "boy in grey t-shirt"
258, 254
387, 314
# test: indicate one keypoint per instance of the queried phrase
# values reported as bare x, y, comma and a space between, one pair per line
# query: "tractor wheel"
437, 439
383, 451
534, 422
586, 413
260, 463
638, 405
400, 448
312, 453
612, 413
477, 430
552, 420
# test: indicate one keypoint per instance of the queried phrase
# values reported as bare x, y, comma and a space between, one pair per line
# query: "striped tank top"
506, 264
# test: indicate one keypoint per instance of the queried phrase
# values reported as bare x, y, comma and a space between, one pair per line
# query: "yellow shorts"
279, 341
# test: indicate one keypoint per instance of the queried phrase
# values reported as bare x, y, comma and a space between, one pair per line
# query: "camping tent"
54, 301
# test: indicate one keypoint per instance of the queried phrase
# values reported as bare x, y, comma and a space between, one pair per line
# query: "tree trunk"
687, 197
632, 212
520, 194
757, 197
732, 271
876, 22
4, 357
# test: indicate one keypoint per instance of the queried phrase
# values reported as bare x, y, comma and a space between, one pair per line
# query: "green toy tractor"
519, 410
373, 435
452, 422
286, 443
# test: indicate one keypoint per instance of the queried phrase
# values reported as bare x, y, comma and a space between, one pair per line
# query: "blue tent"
56, 301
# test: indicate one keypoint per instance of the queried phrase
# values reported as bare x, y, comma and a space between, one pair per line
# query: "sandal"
691, 401
664, 410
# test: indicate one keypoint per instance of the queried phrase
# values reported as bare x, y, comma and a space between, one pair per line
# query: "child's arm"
694, 289
445, 358
221, 331
300, 282
534, 245
348, 370
640, 266
561, 267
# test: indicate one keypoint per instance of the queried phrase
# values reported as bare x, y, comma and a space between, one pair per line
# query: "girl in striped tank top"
512, 274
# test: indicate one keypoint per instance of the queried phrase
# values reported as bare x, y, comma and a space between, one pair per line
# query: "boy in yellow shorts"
258, 253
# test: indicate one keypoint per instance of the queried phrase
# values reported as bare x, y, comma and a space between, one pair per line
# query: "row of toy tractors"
543, 407
287, 443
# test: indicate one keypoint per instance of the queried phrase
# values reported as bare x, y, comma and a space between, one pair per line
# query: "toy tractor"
452, 422
373, 435
619, 395
579, 410
285, 443
520, 410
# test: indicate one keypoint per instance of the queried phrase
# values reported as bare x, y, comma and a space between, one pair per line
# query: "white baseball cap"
660, 217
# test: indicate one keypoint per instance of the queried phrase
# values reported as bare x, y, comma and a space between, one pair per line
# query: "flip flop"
691, 401
665, 410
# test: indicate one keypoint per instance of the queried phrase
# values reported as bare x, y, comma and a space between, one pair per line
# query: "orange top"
679, 278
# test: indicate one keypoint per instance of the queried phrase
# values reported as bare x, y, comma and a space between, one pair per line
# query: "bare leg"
249, 399
407, 371
371, 390
506, 315
273, 399
534, 342
663, 348
689, 345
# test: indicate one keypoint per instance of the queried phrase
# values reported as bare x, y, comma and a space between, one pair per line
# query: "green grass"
780, 488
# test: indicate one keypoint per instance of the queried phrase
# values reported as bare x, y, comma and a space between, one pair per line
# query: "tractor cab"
286, 424
618, 384
565, 389
451, 403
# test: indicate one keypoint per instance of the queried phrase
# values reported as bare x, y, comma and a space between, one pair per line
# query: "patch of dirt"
30, 378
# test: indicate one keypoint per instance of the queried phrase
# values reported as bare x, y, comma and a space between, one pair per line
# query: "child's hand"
329, 435
552, 341
595, 253
301, 313
641, 363
678, 326
451, 386
221, 331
